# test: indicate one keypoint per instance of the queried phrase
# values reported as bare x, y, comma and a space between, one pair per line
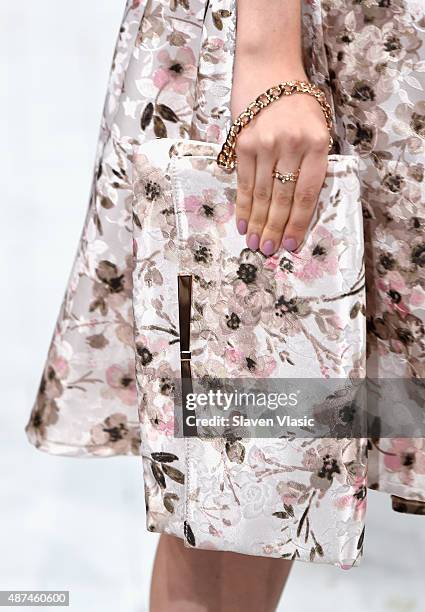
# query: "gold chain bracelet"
227, 156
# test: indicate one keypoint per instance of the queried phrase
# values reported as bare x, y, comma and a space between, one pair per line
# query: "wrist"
269, 51
264, 75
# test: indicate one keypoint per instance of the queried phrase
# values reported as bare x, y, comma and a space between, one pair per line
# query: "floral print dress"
171, 76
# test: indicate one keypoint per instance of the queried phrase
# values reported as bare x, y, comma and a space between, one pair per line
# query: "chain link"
227, 156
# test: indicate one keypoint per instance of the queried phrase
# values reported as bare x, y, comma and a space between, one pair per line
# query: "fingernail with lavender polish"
289, 244
268, 247
253, 242
242, 226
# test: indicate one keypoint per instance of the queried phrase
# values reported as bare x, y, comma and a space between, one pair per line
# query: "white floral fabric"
289, 316
171, 76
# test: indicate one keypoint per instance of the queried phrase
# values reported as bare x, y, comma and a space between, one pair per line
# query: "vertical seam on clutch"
185, 303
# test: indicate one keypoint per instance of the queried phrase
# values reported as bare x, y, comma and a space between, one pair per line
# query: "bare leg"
187, 580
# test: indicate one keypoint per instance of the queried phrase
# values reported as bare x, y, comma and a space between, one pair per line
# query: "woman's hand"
289, 134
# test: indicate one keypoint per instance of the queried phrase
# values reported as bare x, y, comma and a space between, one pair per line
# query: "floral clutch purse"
206, 307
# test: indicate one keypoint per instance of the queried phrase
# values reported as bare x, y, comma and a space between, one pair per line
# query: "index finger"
245, 169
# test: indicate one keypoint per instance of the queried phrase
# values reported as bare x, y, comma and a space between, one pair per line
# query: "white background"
78, 524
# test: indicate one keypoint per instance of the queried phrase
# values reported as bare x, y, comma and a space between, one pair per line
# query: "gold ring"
288, 177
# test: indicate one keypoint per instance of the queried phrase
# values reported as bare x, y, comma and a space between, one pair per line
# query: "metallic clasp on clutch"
185, 306
185, 310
